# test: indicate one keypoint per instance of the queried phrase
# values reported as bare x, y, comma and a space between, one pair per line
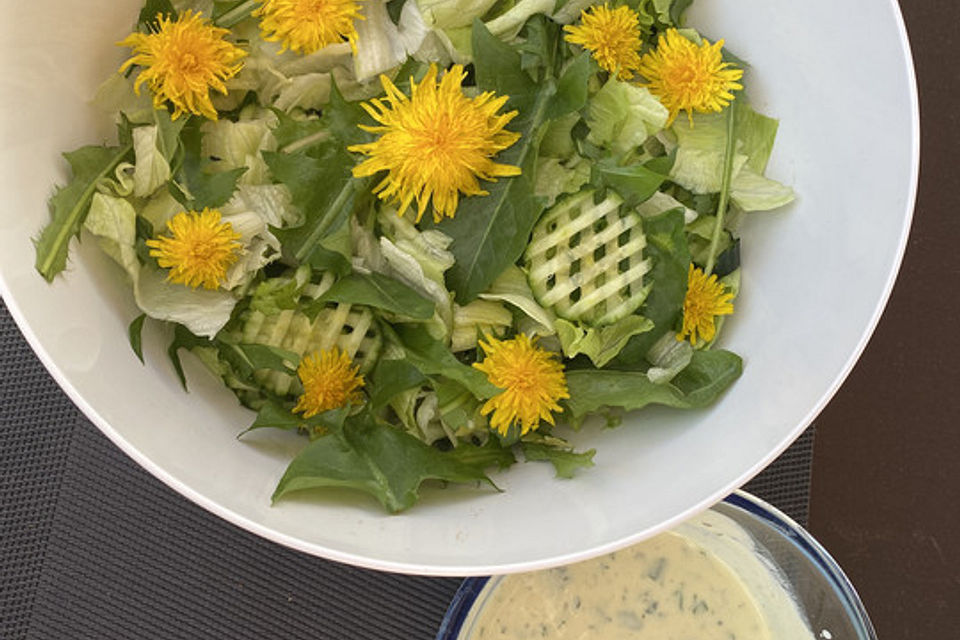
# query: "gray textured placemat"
93, 547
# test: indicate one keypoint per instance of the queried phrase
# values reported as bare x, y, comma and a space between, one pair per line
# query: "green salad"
427, 235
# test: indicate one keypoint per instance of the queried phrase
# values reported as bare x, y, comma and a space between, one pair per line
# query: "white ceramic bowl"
816, 277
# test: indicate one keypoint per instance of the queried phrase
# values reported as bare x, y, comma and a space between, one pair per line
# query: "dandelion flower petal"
705, 300
532, 380
612, 36
198, 250
306, 26
435, 144
182, 61
689, 77
329, 380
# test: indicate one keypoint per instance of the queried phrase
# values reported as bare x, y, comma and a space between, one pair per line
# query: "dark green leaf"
667, 246
183, 339
391, 377
245, 358
148, 20
698, 385
342, 117
273, 416
378, 291
135, 331
431, 357
297, 136
634, 183
565, 461
490, 232
324, 190
490, 454
572, 87
204, 187
227, 13
677, 10
69, 205
378, 459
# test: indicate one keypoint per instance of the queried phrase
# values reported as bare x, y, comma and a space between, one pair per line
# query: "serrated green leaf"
634, 183
667, 246
341, 118
572, 87
378, 459
391, 377
203, 187
565, 461
183, 339
431, 357
325, 192
135, 332
698, 385
489, 454
378, 291
147, 22
298, 136
70, 204
490, 232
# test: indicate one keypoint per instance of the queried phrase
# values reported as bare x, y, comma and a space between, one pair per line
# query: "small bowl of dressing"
741, 570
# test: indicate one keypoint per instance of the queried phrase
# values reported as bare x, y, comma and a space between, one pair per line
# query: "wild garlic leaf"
490, 232
70, 204
565, 461
667, 245
376, 458
706, 377
378, 291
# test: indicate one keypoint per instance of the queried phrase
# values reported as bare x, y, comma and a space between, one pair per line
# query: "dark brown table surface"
886, 469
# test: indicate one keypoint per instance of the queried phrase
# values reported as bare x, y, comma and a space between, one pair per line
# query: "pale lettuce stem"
236, 15
724, 187
305, 142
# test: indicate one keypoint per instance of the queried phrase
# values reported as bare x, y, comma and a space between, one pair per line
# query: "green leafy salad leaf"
70, 204
708, 375
379, 291
377, 459
565, 460
490, 232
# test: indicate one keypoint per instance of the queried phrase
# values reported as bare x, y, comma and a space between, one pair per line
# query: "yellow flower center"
688, 77
330, 381
182, 61
532, 380
198, 250
306, 26
706, 298
612, 36
436, 144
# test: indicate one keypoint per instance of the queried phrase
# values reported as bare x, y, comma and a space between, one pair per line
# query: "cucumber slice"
585, 260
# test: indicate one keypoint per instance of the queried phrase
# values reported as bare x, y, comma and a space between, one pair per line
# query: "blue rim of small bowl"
470, 588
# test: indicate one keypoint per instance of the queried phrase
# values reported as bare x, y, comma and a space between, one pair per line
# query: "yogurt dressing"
679, 585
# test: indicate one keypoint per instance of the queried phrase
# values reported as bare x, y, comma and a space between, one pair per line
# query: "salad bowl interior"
816, 276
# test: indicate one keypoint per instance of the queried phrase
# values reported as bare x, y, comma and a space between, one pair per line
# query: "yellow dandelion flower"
435, 144
198, 250
532, 380
688, 77
330, 381
182, 61
612, 36
706, 298
306, 26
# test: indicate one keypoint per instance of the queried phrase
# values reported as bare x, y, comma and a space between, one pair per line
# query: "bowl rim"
470, 589
457, 570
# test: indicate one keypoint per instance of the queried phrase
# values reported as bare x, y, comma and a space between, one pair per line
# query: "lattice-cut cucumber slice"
351, 328
585, 259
